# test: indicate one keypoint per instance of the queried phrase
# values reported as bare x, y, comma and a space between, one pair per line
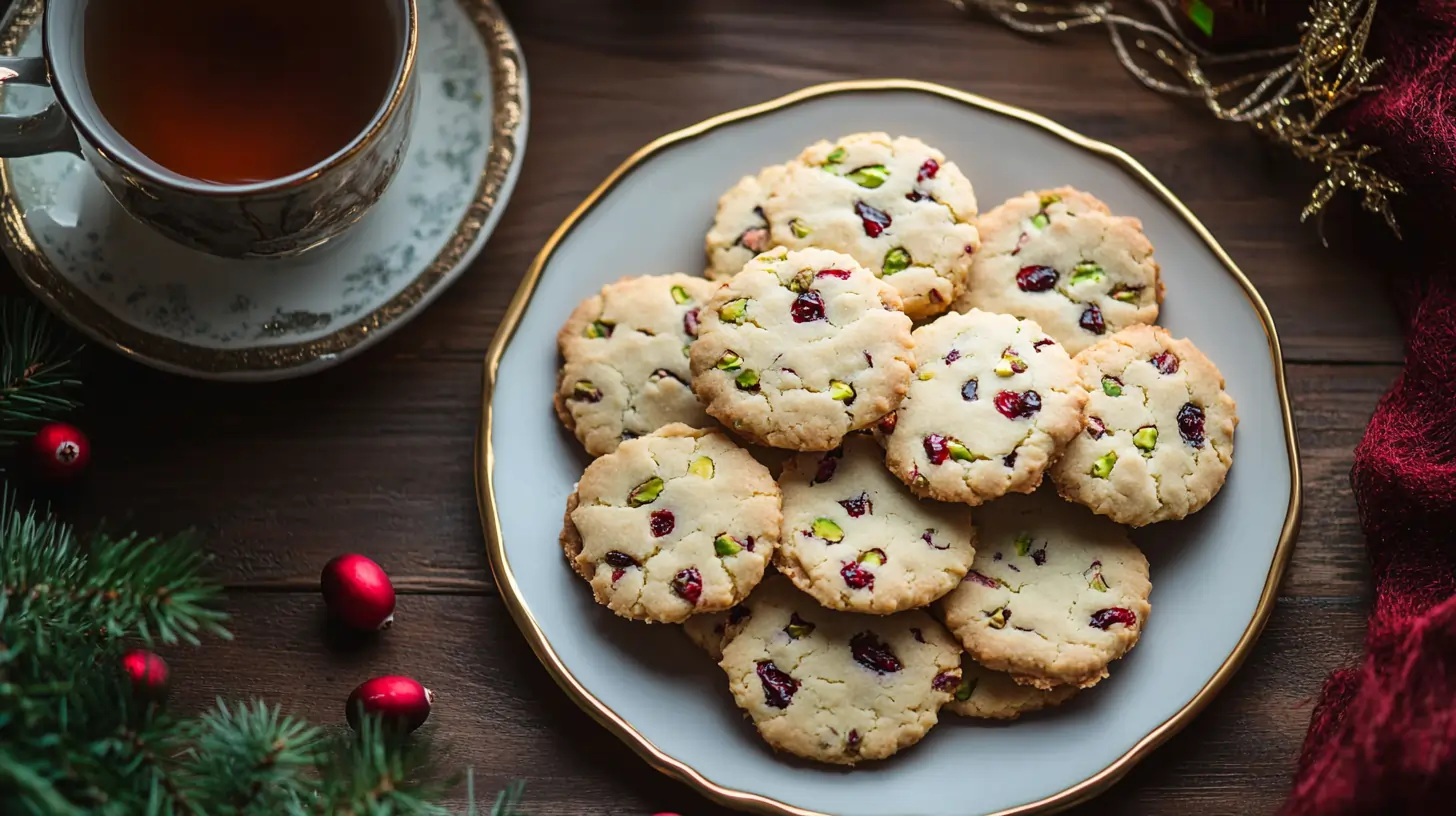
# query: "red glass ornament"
400, 701
60, 452
148, 674
358, 592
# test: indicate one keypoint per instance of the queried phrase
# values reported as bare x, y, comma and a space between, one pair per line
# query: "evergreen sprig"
37, 376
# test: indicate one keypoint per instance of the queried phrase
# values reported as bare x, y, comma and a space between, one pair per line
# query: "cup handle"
32, 134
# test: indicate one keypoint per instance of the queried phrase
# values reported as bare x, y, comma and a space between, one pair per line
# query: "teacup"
277, 217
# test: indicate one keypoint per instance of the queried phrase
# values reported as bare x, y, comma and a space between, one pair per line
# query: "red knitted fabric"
1383, 737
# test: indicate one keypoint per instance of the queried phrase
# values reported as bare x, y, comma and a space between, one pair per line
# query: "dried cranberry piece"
617, 575
946, 681
929, 538
1096, 428
915, 195
1166, 363
738, 614
663, 373
756, 239
852, 741
858, 505
1009, 460
1039, 556
970, 250
842, 274
1104, 618
937, 448
1036, 278
872, 653
1020, 242
888, 422
1190, 424
620, 560
689, 584
928, 170
827, 466
661, 522
778, 686
856, 576
918, 635
955, 354
983, 580
690, 322
1013, 405
748, 543
1091, 320
808, 307
875, 221
1045, 341
970, 390
869, 361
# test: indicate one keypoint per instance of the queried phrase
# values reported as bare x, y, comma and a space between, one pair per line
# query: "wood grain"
375, 456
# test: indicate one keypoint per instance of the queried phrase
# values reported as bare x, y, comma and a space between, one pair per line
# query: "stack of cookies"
913, 363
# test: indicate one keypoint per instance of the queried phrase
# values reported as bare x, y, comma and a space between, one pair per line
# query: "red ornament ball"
400, 701
358, 593
60, 452
148, 674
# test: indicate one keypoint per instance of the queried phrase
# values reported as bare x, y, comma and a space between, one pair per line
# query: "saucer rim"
509, 127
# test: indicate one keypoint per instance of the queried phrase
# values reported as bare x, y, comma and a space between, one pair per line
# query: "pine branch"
37, 383
250, 758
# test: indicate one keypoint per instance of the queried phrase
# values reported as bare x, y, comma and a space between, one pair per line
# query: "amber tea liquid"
241, 91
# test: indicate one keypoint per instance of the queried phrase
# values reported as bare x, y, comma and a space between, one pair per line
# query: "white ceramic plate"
1214, 575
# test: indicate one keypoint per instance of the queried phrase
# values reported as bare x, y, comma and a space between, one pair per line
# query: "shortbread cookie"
992, 695
1060, 258
856, 539
1160, 429
800, 348
835, 686
676, 523
1055, 594
626, 370
993, 404
711, 631
740, 230
897, 206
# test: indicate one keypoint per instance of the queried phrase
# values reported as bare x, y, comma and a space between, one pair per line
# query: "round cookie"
1055, 594
991, 695
857, 540
800, 348
1059, 257
676, 523
834, 686
626, 369
897, 206
740, 230
993, 404
1159, 436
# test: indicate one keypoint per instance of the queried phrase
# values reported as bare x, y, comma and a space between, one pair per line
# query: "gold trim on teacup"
508, 100
742, 800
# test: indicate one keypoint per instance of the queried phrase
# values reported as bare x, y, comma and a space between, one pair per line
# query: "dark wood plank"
499, 711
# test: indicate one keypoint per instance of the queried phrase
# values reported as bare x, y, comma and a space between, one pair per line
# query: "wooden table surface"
375, 456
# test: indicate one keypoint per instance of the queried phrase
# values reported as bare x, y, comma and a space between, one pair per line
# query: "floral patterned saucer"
175, 309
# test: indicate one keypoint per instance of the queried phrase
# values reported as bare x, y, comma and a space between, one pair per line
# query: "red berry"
875, 221
888, 422
983, 580
399, 701
661, 522
928, 170
1096, 428
1103, 618
1190, 424
778, 686
1166, 363
1091, 319
936, 448
1036, 278
952, 356
147, 673
358, 592
827, 466
688, 584
808, 307
690, 322
946, 681
856, 576
60, 452
842, 274
1013, 405
858, 506
872, 653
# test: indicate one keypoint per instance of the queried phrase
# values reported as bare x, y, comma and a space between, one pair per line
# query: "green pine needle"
37, 382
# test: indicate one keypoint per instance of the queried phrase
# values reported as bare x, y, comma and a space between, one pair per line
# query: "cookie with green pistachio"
897, 206
741, 229
1062, 259
625, 369
801, 348
992, 695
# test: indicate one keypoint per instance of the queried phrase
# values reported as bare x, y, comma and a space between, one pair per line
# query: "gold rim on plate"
754, 803
509, 105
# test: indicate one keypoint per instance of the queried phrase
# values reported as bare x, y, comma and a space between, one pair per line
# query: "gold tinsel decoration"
1284, 93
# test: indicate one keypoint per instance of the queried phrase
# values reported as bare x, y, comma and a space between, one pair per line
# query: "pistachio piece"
999, 618
646, 493
966, 689
1049, 199
702, 466
734, 311
1146, 438
798, 627
586, 392
869, 176
729, 362
1040, 221
1004, 368
747, 379
835, 156
680, 295
1096, 581
927, 375
896, 260
842, 391
1111, 386
1087, 272
1102, 468
876, 557
1127, 294
802, 281
826, 529
1023, 544
726, 545
598, 330
960, 452
798, 229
